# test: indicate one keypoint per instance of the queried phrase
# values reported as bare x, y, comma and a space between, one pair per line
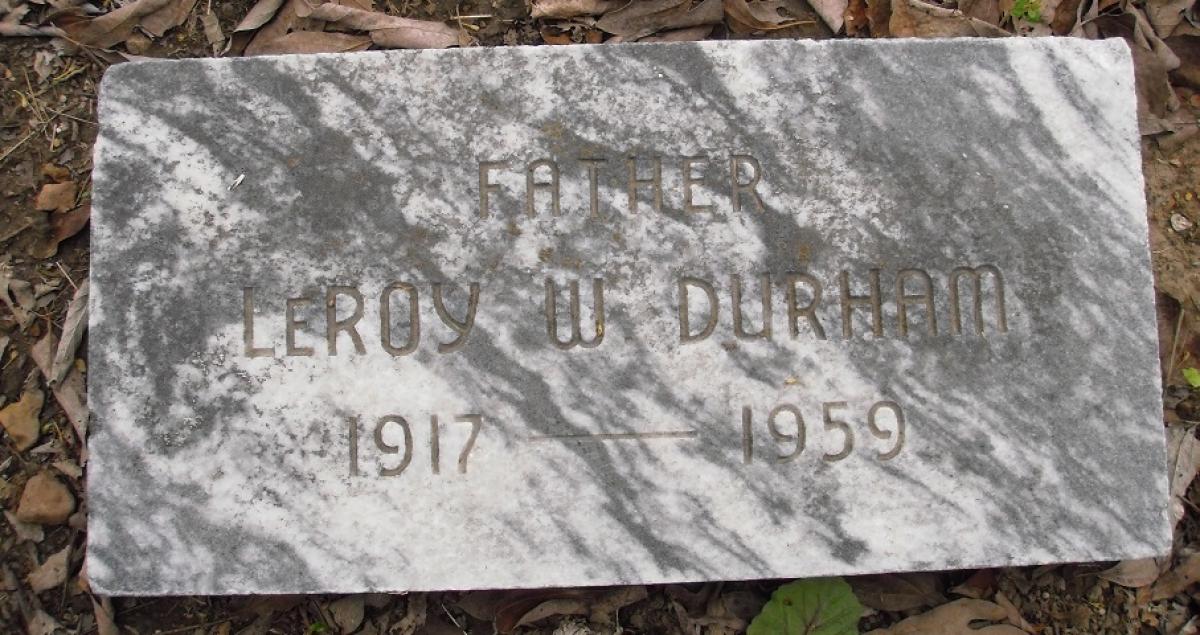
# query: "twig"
66, 275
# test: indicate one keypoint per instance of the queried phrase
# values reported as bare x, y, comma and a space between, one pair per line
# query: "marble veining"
322, 360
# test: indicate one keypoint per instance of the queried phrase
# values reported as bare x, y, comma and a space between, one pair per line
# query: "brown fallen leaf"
1173, 582
390, 31
856, 20
1183, 457
955, 618
978, 586
604, 609
67, 224
913, 18
1132, 573
106, 623
21, 419
879, 16
517, 604
832, 12
984, 10
554, 37
690, 34
260, 14
41, 623
287, 19
45, 500
482, 605
639, 19
212, 32
1187, 48
749, 16
1012, 613
572, 8
50, 573
112, 28
347, 613
23, 530
898, 591
56, 197
552, 608
1165, 15
314, 42
72, 333
70, 392
170, 16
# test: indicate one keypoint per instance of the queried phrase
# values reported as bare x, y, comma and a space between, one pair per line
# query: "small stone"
1180, 223
45, 501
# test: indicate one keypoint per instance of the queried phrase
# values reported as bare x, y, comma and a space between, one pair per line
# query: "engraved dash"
618, 436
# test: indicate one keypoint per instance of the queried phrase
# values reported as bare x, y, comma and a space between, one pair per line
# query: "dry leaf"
175, 13
1165, 15
68, 468
20, 419
898, 591
42, 624
67, 224
212, 31
482, 605
749, 16
856, 19
24, 531
70, 392
259, 14
554, 37
572, 8
414, 616
639, 19
390, 31
1183, 455
832, 12
112, 28
984, 10
56, 197
1185, 573
604, 609
347, 613
72, 332
1187, 49
313, 42
45, 500
955, 618
978, 586
913, 18
287, 20
1013, 614
553, 608
1132, 573
50, 573
690, 34
106, 623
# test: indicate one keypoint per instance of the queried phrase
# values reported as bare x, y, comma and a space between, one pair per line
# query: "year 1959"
787, 429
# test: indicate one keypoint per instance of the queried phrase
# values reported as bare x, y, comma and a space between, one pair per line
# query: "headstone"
596, 315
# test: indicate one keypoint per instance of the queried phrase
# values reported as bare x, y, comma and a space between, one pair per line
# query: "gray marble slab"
322, 355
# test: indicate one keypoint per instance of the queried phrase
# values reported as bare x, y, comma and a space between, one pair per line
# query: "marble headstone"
595, 315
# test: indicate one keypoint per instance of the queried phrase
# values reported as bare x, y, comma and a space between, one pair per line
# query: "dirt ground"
47, 126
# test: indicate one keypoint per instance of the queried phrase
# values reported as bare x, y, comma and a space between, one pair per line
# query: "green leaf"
821, 606
1192, 376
